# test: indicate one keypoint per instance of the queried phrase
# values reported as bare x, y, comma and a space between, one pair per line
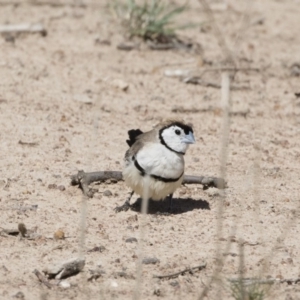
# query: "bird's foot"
123, 207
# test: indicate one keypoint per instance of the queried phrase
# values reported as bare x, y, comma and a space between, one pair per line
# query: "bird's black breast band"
142, 171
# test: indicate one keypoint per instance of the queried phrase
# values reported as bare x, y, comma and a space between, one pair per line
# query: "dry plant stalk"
82, 226
23, 28
218, 34
142, 233
224, 138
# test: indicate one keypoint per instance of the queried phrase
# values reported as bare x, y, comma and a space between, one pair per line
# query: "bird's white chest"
156, 159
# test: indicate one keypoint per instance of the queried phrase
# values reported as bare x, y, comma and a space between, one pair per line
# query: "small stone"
65, 284
295, 69
61, 188
150, 260
213, 192
82, 98
97, 249
132, 219
157, 292
120, 274
52, 186
174, 283
59, 235
123, 275
120, 84
158, 98
73, 210
64, 269
19, 295
22, 229
131, 240
99, 41
128, 46
107, 193
114, 284
3, 183
96, 273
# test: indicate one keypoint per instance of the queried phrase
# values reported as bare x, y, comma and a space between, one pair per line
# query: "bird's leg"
126, 205
170, 197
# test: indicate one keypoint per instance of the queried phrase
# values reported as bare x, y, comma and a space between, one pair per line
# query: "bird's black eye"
177, 131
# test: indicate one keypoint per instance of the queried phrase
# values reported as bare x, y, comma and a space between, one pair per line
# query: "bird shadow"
179, 206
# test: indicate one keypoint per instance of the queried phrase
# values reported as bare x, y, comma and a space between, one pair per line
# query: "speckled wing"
140, 141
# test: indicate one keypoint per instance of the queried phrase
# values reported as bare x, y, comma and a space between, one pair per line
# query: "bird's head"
176, 136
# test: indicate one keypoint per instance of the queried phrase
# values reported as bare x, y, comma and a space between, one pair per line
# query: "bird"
156, 158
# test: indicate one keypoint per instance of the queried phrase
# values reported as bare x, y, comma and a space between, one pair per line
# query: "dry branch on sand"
23, 28
83, 180
187, 270
252, 281
45, 3
43, 279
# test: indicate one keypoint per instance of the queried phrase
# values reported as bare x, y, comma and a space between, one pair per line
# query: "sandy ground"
57, 92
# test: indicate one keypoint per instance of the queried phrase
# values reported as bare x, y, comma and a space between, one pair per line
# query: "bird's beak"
189, 138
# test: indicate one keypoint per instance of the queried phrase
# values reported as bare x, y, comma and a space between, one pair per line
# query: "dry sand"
57, 92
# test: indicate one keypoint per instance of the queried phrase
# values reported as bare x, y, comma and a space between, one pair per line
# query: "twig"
44, 3
207, 182
197, 80
251, 281
23, 28
31, 144
235, 69
182, 73
168, 64
43, 279
174, 275
174, 43
83, 180
216, 110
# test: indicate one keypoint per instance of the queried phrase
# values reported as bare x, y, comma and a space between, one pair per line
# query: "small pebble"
157, 292
213, 192
22, 229
107, 193
174, 283
65, 284
150, 260
61, 187
131, 240
59, 235
19, 295
52, 186
97, 249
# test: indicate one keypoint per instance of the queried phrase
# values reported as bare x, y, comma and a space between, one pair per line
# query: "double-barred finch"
156, 158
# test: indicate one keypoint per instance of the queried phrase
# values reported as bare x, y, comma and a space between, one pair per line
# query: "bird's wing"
133, 134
